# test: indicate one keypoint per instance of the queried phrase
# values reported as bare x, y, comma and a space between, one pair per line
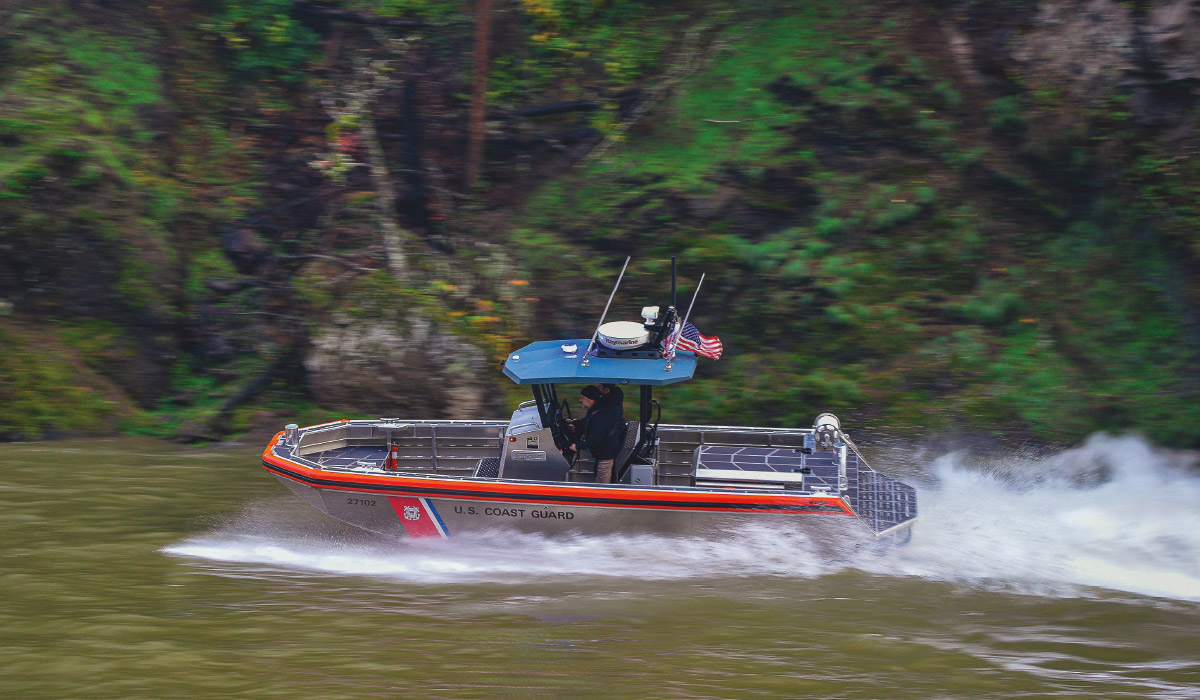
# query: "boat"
438, 478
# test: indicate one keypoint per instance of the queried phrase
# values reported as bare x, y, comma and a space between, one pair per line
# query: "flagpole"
586, 362
671, 354
672, 281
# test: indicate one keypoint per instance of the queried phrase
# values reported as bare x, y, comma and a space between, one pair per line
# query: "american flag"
692, 341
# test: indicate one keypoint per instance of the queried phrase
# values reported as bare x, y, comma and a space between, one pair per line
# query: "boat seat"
633, 433
750, 467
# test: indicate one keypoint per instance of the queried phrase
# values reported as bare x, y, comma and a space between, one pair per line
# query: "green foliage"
76, 113
414, 9
208, 265
570, 43
962, 160
40, 393
265, 41
102, 345
867, 252
993, 304
893, 290
120, 76
946, 96
1006, 114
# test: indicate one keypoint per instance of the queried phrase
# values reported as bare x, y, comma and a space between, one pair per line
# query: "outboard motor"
828, 431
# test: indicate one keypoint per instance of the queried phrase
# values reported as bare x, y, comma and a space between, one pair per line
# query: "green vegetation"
878, 291
42, 393
882, 237
264, 40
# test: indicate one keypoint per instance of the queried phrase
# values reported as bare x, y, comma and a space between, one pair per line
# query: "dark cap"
591, 392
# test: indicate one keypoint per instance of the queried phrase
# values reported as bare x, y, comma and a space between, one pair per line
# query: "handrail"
843, 483
861, 460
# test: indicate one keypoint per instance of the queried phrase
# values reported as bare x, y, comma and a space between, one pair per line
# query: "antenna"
587, 353
671, 352
694, 295
672, 281
668, 319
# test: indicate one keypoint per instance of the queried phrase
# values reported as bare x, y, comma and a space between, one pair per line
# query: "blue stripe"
437, 515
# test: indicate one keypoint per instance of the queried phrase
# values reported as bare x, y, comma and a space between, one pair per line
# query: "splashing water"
1113, 514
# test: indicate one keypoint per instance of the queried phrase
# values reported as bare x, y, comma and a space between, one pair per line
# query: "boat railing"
677, 446
454, 448
447, 447
833, 472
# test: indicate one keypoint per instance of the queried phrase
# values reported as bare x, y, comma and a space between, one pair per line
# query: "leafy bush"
992, 305
264, 40
1006, 114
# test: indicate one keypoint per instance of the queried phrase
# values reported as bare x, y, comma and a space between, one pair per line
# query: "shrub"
264, 39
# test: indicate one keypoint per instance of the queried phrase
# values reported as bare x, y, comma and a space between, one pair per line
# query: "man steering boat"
599, 432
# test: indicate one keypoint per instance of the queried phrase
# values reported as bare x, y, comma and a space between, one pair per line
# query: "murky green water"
138, 569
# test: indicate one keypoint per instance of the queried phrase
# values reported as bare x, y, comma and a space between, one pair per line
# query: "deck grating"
882, 502
487, 468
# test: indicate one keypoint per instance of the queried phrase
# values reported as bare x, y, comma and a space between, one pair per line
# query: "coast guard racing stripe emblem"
418, 517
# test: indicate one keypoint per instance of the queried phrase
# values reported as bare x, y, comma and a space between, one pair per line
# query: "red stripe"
548, 493
423, 524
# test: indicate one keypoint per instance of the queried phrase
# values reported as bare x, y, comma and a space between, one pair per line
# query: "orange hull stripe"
629, 498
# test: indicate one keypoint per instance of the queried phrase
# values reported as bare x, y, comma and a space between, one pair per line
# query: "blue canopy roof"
545, 362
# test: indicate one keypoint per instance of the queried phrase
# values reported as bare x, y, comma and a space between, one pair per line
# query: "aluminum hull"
415, 504
424, 516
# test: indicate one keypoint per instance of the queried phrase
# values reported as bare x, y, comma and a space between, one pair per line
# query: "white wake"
1114, 514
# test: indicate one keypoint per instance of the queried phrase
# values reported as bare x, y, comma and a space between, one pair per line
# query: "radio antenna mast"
672, 281
675, 342
588, 353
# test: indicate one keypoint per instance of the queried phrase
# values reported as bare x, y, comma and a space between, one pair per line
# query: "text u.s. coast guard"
514, 512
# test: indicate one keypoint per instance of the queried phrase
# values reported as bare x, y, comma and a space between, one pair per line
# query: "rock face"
1091, 49
1082, 46
409, 369
1172, 34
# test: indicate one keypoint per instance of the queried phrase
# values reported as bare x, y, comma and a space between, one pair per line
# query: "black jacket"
601, 432
615, 399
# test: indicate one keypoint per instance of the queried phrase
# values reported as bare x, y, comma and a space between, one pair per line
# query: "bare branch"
333, 258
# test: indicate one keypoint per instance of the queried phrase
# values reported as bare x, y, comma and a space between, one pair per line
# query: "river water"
139, 569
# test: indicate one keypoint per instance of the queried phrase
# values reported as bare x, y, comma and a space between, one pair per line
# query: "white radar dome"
622, 335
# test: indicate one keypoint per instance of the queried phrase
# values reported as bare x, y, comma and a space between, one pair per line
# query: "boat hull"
422, 516
430, 506
344, 476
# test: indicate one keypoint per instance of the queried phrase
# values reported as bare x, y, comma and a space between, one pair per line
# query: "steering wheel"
560, 427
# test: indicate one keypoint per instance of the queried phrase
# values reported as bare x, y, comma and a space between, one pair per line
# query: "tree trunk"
476, 121
417, 204
385, 199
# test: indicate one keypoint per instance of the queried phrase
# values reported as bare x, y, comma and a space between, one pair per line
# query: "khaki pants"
604, 468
